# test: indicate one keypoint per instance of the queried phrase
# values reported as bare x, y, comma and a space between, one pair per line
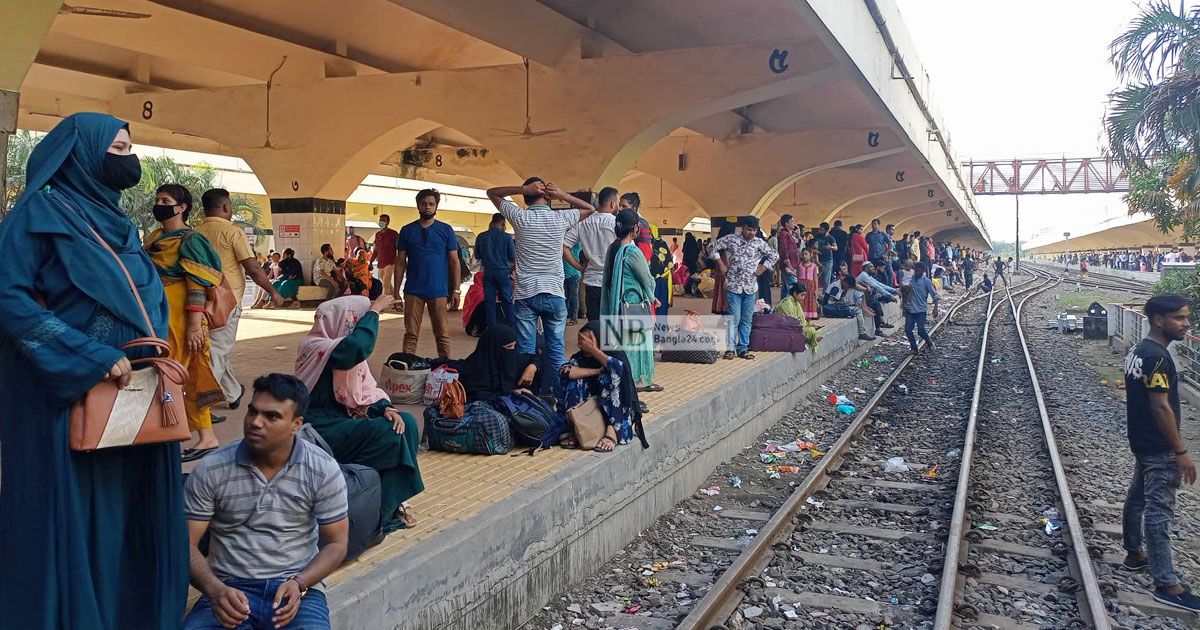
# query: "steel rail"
1084, 572
944, 617
723, 597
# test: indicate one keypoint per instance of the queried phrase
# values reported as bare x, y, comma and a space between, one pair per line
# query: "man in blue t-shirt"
495, 251
427, 260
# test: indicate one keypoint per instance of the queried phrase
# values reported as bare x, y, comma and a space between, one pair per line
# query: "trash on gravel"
809, 435
632, 609
774, 474
902, 388
879, 358
835, 400
932, 473
815, 454
710, 491
768, 458
788, 469
846, 409
953, 454
987, 527
858, 390
895, 464
815, 503
735, 481
865, 363
653, 582
995, 359
1049, 526
717, 508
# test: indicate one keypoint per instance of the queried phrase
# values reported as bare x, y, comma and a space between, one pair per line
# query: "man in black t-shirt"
1161, 457
999, 267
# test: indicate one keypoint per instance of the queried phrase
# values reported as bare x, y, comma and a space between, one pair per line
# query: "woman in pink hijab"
349, 409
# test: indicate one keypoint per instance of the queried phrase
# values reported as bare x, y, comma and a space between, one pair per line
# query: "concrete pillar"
306, 223
8, 126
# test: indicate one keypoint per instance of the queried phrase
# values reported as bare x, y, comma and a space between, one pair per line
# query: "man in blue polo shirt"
427, 260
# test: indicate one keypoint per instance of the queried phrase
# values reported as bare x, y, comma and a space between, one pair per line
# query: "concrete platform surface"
498, 535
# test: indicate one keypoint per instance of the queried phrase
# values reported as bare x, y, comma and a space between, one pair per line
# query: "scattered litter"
735, 481
932, 473
953, 454
768, 458
859, 390
774, 474
279, 348
987, 527
846, 409
878, 379
995, 359
815, 454
710, 491
1050, 522
632, 609
894, 600
933, 382
882, 359
717, 508
815, 503
809, 435
653, 582
788, 469
662, 565
751, 532
865, 363
895, 464
902, 388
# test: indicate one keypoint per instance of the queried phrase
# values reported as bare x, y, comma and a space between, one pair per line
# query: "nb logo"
778, 61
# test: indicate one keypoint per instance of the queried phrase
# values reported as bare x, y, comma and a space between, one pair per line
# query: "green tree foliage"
1153, 123
138, 202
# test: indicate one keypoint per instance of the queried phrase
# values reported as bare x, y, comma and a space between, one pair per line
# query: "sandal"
728, 354
567, 440
404, 514
572, 321
652, 387
606, 445
745, 355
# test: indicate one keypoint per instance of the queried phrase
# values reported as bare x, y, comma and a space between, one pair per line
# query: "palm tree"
20, 145
1153, 123
138, 202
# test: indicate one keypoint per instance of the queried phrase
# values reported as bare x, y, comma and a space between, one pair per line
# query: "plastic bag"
895, 464
440, 375
404, 386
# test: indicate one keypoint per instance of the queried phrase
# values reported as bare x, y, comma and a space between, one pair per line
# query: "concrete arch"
853, 200
769, 197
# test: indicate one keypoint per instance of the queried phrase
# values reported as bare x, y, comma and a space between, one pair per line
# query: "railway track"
909, 527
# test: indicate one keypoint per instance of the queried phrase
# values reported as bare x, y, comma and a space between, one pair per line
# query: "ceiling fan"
528, 132
67, 9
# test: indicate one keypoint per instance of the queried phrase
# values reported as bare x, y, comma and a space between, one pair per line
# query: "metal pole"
1017, 263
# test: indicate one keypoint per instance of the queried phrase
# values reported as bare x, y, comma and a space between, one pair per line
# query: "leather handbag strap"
128, 278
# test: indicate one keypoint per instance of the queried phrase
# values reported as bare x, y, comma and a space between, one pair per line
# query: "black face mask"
163, 212
121, 171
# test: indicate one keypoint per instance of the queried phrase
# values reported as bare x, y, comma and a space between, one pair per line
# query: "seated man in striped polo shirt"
275, 507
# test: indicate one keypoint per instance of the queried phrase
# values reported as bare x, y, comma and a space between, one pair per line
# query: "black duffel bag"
364, 499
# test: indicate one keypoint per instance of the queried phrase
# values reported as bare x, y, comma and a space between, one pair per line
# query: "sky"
1023, 78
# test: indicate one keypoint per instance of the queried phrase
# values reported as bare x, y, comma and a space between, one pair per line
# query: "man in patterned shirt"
743, 257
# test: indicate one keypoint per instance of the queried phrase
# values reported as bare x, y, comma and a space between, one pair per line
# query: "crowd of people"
262, 520
1127, 260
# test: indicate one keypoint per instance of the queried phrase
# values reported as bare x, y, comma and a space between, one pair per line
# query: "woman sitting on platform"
291, 276
594, 372
495, 368
348, 409
792, 307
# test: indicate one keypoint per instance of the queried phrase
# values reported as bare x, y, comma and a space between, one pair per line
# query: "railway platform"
498, 536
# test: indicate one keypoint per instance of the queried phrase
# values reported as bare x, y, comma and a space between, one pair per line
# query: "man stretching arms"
275, 507
1161, 457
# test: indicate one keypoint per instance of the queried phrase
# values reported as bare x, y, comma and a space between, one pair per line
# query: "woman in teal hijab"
90, 540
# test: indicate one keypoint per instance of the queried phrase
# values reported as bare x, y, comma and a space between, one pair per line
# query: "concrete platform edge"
499, 568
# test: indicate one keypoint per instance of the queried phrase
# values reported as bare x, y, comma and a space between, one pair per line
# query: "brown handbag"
588, 422
452, 402
220, 304
149, 410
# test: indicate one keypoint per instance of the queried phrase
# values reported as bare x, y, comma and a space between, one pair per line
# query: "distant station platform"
497, 536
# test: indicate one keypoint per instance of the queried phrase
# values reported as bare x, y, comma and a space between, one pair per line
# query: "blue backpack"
533, 422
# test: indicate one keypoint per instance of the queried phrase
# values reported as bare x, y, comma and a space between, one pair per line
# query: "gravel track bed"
1089, 423
1012, 487
655, 580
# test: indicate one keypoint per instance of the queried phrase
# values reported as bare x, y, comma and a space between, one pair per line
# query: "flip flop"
606, 440
652, 387
193, 454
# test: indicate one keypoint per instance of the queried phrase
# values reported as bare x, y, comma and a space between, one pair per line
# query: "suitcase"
773, 332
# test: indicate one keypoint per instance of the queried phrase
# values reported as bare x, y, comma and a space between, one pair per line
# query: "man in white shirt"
538, 294
596, 234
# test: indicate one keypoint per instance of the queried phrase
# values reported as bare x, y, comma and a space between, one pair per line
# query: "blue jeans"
493, 286
571, 289
786, 282
1149, 508
739, 319
827, 272
552, 310
312, 615
916, 320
